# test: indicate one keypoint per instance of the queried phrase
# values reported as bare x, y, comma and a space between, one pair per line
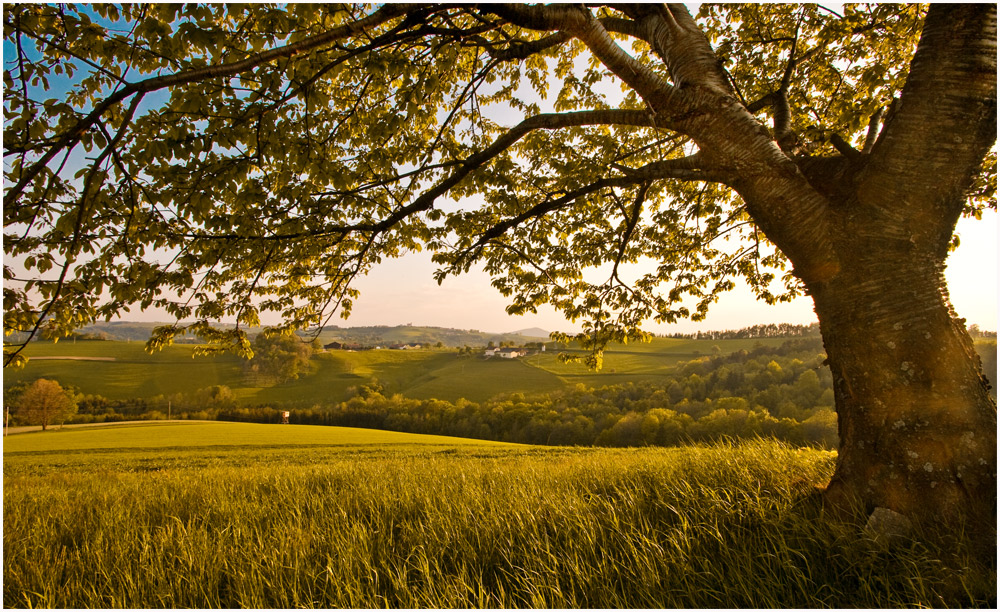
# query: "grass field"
239, 515
421, 374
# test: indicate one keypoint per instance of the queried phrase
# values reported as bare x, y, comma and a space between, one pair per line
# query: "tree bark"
917, 424
868, 236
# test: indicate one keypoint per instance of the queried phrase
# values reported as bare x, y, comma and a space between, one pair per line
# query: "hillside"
444, 374
131, 331
454, 338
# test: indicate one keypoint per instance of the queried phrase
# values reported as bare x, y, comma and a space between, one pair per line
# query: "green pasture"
153, 434
421, 374
478, 379
185, 515
134, 373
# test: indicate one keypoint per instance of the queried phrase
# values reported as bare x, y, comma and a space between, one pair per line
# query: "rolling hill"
123, 370
423, 374
131, 331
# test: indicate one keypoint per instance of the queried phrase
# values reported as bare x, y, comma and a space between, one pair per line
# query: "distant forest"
769, 330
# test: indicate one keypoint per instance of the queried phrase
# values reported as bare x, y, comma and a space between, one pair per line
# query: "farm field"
421, 374
242, 515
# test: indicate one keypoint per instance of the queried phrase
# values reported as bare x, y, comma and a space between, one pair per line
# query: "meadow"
242, 515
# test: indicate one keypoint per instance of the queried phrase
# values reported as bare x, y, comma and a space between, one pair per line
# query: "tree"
45, 402
611, 161
278, 358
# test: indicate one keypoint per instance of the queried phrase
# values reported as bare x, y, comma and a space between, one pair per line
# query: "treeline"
770, 330
780, 392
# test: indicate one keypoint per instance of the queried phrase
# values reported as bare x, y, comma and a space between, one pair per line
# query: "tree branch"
688, 168
425, 201
874, 122
681, 44
844, 147
944, 124
783, 134
633, 220
74, 246
582, 24
543, 208
72, 136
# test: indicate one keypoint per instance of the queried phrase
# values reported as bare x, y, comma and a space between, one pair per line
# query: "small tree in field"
45, 402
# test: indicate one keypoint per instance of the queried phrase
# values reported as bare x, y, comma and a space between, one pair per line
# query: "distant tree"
45, 402
278, 358
216, 396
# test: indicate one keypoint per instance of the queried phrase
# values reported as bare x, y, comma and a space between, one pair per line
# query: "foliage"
302, 520
278, 358
770, 330
249, 159
44, 402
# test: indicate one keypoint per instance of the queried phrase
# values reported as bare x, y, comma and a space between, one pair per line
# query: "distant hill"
130, 331
532, 332
384, 334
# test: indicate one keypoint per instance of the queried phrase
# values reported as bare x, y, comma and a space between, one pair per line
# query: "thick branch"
944, 124
844, 147
519, 50
589, 30
681, 44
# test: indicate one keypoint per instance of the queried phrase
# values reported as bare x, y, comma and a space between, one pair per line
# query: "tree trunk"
917, 424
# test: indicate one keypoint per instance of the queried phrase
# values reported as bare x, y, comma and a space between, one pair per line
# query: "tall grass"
720, 526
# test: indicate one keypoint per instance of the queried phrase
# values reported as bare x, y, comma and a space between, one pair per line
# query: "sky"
404, 291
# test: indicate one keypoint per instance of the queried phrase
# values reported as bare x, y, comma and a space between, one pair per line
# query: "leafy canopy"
225, 161
44, 402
